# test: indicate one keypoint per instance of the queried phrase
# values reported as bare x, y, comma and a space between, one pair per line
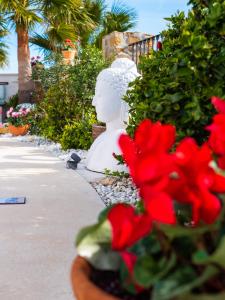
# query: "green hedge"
177, 82
78, 135
67, 104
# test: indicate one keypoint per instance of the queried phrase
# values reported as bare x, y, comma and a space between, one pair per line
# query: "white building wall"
12, 80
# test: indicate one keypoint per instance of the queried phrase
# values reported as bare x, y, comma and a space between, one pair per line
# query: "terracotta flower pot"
20, 130
83, 288
97, 130
4, 130
69, 54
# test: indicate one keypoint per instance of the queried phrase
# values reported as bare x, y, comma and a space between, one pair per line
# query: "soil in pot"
109, 282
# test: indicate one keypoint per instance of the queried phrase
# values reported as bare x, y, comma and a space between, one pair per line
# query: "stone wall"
116, 43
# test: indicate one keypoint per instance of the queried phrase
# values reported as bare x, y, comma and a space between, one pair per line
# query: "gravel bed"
115, 189
111, 189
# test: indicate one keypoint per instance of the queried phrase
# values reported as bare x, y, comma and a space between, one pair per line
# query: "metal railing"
144, 47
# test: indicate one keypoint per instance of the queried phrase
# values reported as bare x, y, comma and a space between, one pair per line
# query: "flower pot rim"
83, 287
72, 50
96, 125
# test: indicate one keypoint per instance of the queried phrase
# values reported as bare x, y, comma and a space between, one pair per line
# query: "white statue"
111, 86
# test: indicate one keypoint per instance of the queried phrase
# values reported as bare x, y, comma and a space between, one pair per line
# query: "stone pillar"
116, 43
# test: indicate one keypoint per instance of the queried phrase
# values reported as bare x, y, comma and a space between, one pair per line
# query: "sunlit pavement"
37, 239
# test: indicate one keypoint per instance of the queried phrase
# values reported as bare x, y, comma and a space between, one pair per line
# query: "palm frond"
3, 55
120, 18
20, 13
43, 42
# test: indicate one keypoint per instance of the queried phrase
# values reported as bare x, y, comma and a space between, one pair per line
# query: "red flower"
127, 226
219, 104
150, 165
159, 45
159, 205
197, 181
147, 155
217, 136
130, 260
217, 131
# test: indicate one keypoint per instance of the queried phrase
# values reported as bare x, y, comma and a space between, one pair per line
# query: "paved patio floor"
37, 239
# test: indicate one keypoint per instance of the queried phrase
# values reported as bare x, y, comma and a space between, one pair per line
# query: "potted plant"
98, 129
3, 128
171, 245
18, 120
69, 50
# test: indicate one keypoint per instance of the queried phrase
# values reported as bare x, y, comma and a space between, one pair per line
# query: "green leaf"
202, 297
173, 232
174, 98
218, 257
200, 256
148, 271
94, 243
170, 288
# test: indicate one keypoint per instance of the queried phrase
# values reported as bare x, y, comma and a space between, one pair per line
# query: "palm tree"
58, 29
96, 10
3, 47
100, 22
23, 15
120, 18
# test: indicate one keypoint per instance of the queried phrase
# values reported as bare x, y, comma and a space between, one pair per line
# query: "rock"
108, 180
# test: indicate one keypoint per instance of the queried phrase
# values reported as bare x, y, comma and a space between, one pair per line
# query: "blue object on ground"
13, 200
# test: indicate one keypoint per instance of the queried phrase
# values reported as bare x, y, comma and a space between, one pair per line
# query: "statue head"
112, 84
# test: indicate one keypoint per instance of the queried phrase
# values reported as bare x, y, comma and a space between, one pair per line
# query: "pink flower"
15, 114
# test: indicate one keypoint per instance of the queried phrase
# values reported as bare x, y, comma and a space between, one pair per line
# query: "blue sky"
150, 20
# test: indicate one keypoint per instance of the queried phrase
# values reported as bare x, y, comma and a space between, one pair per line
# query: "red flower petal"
158, 205
127, 227
211, 207
221, 162
130, 261
219, 104
154, 137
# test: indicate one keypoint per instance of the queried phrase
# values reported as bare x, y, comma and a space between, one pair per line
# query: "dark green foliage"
78, 135
13, 101
57, 110
68, 99
177, 82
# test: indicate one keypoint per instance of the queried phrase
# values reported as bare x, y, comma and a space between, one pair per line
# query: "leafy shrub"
78, 135
13, 101
177, 82
57, 110
69, 93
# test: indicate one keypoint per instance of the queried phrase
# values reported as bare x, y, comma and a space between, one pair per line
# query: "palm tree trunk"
24, 66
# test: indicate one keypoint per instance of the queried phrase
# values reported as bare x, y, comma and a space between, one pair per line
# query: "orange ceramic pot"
83, 288
4, 130
20, 130
69, 54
